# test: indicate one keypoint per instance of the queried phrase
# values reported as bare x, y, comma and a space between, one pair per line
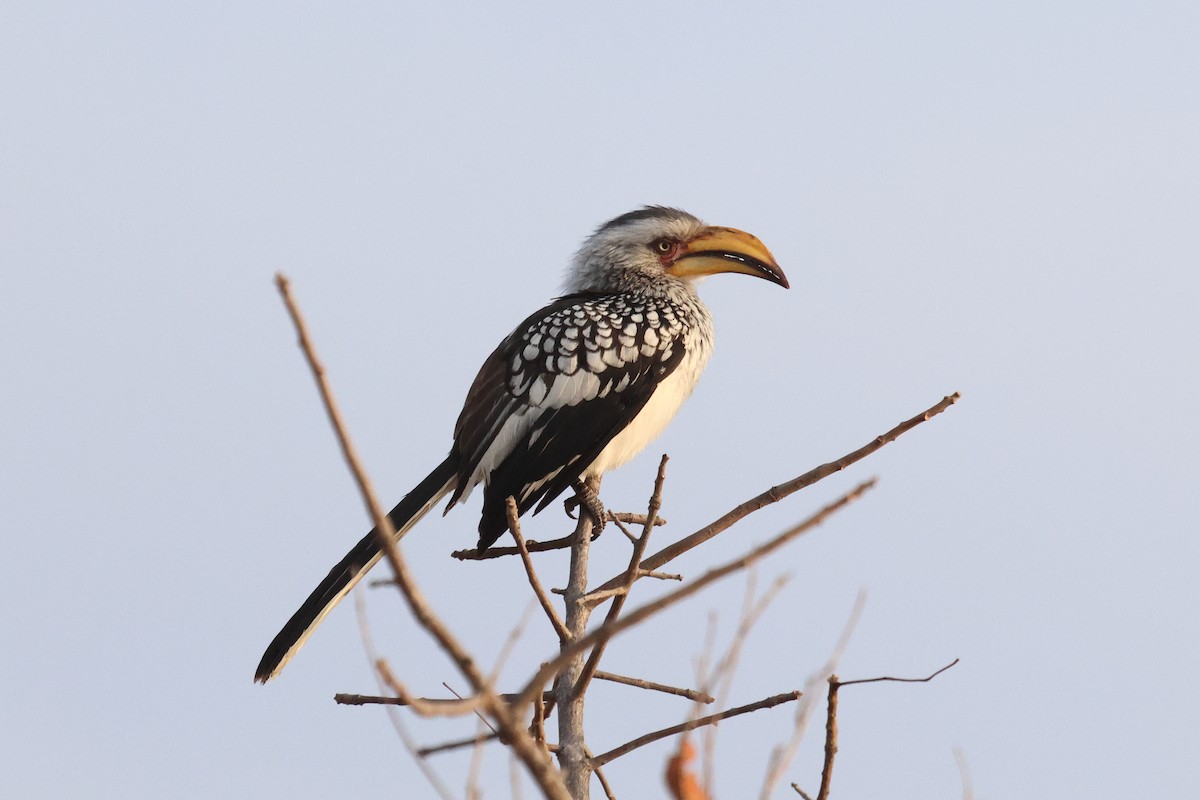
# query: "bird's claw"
590, 502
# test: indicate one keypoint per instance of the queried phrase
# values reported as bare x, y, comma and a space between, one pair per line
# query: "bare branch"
535, 546
514, 527
457, 744
777, 493
572, 745
383, 526
831, 730
690, 694
628, 533
631, 575
461, 706
662, 576
608, 792
633, 519
801, 792
532, 545
649, 609
481, 717
422, 706
926, 679
831, 747
547, 705
769, 702
596, 598
539, 767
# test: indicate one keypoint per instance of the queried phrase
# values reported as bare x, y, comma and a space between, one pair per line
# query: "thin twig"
473, 554
662, 576
514, 527
631, 574
801, 792
457, 707
638, 615
596, 598
628, 533
691, 694
831, 730
481, 717
777, 493
533, 545
460, 707
769, 702
432, 706
539, 767
456, 744
633, 519
926, 679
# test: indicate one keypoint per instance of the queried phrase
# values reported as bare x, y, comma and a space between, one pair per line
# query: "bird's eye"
663, 246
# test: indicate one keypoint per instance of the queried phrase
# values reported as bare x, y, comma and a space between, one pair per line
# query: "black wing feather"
538, 471
490, 400
604, 336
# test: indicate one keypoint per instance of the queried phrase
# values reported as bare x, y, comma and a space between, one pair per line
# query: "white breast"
659, 410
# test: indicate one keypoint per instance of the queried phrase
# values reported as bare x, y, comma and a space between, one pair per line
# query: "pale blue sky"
995, 198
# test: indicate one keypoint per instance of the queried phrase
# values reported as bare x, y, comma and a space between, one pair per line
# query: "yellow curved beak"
727, 250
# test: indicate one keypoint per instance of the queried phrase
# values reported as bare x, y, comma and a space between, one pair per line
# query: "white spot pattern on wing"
624, 341
551, 368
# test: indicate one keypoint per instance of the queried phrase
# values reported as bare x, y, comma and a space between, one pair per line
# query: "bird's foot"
590, 502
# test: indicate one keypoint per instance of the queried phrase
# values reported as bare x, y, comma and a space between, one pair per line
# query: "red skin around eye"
669, 258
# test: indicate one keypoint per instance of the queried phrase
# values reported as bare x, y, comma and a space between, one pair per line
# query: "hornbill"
577, 389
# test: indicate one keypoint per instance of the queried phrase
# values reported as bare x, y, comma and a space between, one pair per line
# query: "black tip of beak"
774, 275
768, 272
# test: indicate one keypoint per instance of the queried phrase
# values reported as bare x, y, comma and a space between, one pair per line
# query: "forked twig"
631, 575
831, 729
636, 616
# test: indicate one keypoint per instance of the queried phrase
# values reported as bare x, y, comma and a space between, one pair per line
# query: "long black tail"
342, 578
